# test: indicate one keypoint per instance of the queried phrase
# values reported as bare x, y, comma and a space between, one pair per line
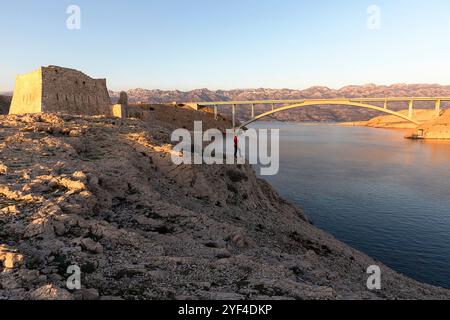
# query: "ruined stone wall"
141, 113
27, 93
5, 103
71, 91
60, 90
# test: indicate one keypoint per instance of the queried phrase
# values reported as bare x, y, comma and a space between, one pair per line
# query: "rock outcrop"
393, 122
5, 102
102, 194
435, 129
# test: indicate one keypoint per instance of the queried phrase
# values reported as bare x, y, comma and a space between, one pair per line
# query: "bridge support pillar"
215, 112
234, 116
438, 108
410, 109
385, 104
273, 106
253, 111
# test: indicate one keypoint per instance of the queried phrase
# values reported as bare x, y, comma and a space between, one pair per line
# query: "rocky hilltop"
431, 127
393, 122
102, 194
329, 113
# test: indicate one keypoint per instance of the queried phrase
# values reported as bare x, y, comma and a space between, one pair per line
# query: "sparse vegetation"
236, 176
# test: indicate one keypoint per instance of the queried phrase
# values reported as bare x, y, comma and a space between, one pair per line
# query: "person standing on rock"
236, 147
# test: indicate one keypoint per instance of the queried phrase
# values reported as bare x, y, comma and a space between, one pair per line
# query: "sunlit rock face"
438, 128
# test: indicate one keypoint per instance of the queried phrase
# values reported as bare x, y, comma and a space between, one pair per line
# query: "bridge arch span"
323, 103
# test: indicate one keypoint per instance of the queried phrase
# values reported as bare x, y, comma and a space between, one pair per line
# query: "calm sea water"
381, 194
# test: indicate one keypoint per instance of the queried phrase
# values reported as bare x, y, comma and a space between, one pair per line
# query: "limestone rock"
50, 292
40, 227
86, 294
10, 258
8, 281
91, 246
10, 210
3, 168
75, 133
28, 275
239, 240
59, 228
223, 254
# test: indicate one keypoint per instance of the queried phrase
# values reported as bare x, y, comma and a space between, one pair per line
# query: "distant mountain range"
372, 90
325, 113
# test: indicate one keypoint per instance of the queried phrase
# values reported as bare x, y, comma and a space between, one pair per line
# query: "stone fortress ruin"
55, 89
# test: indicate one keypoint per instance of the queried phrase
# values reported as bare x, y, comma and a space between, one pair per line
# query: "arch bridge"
283, 105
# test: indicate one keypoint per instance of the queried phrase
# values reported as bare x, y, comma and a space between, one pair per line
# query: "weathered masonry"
55, 89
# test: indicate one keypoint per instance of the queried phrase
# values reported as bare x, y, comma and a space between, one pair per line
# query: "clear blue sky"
181, 44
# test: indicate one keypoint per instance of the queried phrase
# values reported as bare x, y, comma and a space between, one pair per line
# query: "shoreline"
428, 131
105, 195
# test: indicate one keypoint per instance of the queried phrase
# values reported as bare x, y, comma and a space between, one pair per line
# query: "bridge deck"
294, 101
369, 103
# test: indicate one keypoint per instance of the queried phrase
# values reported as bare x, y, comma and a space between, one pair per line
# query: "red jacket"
235, 140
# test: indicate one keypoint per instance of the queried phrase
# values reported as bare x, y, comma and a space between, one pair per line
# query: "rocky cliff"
103, 194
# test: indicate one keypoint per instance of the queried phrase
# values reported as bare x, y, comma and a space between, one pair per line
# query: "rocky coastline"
102, 194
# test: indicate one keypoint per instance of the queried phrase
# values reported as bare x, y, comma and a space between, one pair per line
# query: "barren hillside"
103, 194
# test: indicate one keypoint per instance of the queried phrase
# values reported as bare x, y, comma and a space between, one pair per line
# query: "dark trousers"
235, 150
